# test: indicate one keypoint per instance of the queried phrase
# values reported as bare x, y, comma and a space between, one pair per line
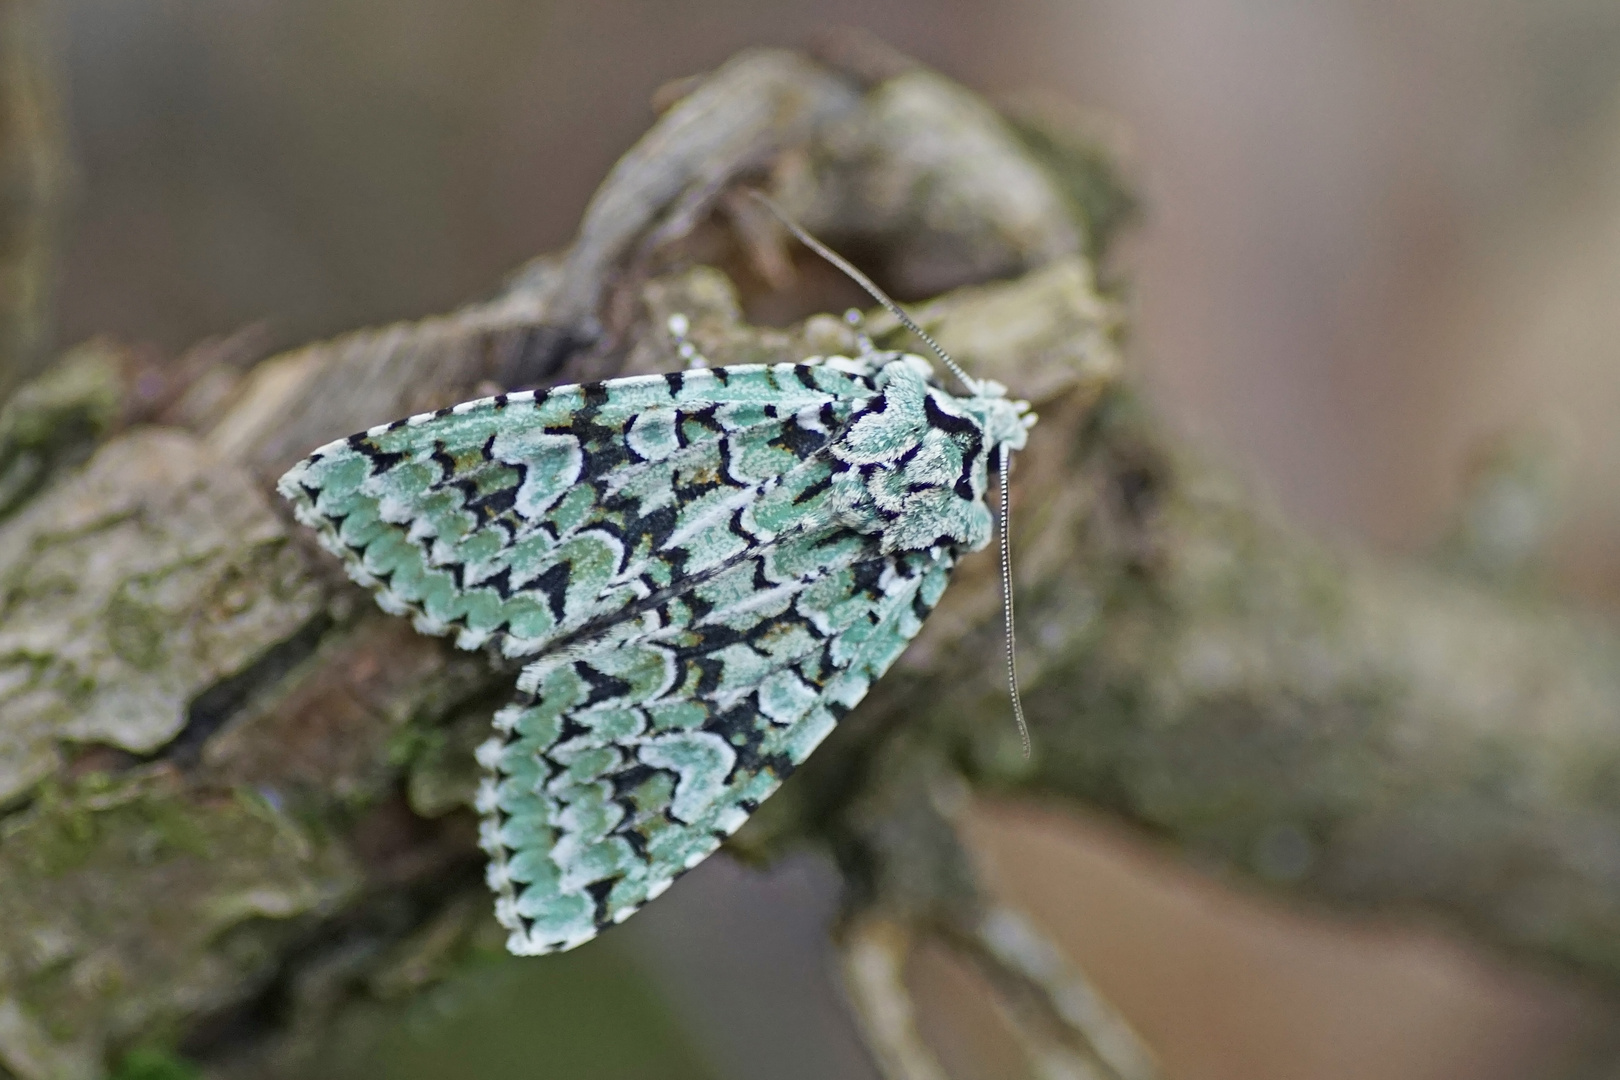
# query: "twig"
912, 878
1067, 1027
873, 951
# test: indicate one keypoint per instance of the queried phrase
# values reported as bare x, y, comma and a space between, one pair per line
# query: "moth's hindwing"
667, 551
635, 755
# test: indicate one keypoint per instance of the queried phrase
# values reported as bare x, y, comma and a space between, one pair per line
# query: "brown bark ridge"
221, 766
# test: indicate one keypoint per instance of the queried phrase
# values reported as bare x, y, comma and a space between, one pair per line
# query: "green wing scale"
702, 572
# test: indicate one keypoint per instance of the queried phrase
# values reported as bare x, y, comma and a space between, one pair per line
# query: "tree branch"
1067, 1027
873, 954
234, 791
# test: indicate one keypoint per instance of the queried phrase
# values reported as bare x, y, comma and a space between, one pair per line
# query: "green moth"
702, 572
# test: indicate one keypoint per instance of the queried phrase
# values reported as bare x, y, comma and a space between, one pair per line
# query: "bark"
235, 794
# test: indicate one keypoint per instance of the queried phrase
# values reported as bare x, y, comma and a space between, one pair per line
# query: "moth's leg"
856, 319
679, 326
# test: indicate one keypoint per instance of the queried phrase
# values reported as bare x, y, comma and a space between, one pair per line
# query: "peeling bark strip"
235, 796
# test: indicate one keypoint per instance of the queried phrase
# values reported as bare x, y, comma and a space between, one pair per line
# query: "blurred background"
1381, 237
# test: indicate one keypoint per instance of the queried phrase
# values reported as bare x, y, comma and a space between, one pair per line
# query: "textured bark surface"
233, 794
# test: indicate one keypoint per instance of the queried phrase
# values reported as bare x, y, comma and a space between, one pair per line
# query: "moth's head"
1006, 422
917, 458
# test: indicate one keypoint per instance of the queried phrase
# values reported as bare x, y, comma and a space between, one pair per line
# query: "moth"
700, 572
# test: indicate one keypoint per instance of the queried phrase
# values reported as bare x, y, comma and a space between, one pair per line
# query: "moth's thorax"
912, 465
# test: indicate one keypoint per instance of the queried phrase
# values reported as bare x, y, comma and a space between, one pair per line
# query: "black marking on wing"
739, 726
725, 463
868, 574
629, 451
447, 464
710, 671
697, 605
497, 502
381, 460
500, 581
553, 585
708, 416
815, 488
604, 687
631, 777
798, 439
599, 891
737, 529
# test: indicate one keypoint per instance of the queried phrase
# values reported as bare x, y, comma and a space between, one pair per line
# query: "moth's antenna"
973, 387
869, 285
1007, 599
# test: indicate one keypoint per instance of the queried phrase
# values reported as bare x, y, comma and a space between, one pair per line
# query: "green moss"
413, 743
173, 829
57, 836
135, 630
70, 825
56, 418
